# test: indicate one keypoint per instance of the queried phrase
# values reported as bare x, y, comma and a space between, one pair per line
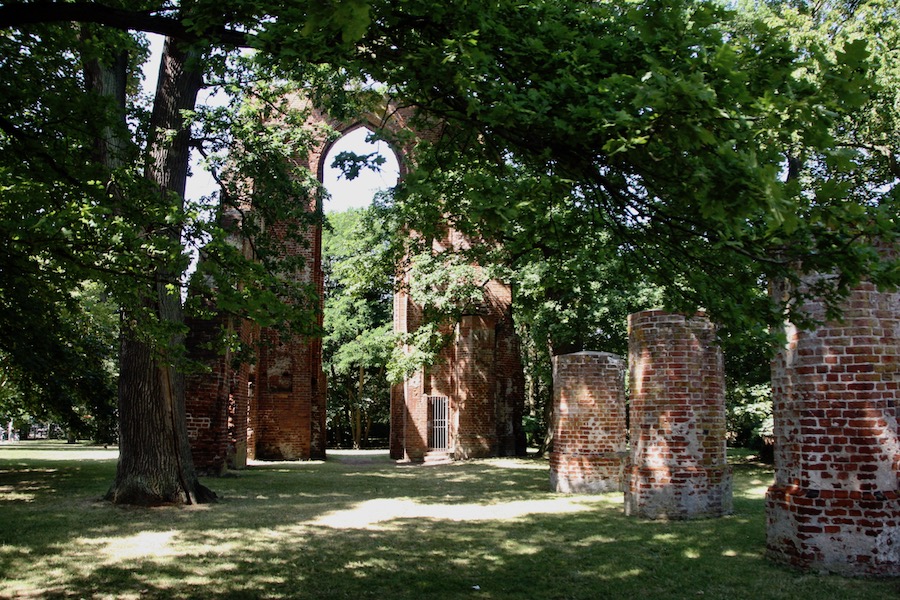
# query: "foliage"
664, 125
748, 415
357, 322
65, 371
446, 285
59, 231
250, 230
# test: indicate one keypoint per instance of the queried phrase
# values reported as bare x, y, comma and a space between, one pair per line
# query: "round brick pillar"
678, 466
835, 504
588, 423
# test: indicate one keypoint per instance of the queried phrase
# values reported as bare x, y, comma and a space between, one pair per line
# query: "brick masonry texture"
208, 397
479, 372
835, 504
678, 467
589, 429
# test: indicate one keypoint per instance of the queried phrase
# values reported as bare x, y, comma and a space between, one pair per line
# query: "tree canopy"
674, 147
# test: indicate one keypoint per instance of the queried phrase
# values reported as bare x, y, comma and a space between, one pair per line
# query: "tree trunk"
155, 464
367, 431
357, 410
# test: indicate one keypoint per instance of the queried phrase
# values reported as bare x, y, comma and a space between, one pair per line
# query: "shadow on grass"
364, 527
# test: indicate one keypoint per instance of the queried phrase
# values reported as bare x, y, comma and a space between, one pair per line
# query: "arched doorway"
358, 287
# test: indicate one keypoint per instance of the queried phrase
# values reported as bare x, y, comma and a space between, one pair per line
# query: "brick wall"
589, 430
207, 397
835, 504
290, 394
479, 372
275, 409
475, 399
678, 467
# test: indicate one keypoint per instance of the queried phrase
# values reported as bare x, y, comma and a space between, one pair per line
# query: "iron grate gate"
439, 419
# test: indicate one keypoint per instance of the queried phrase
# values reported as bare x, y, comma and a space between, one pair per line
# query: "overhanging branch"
29, 13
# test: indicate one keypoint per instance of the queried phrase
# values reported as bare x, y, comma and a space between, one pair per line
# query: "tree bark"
155, 464
357, 410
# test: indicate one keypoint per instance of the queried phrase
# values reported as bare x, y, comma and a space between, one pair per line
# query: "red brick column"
678, 464
409, 408
835, 504
475, 390
588, 423
207, 398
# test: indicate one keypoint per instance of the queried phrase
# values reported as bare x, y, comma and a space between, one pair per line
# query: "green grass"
360, 526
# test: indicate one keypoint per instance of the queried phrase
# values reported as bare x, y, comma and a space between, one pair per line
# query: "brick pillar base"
683, 493
835, 504
589, 423
678, 464
851, 533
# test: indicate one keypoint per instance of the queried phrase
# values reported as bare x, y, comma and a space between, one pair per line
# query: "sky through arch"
358, 192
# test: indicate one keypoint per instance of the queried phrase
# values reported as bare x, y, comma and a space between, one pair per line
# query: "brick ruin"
275, 409
589, 429
835, 503
676, 467
469, 404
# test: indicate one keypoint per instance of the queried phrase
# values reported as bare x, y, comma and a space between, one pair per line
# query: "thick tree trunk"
155, 464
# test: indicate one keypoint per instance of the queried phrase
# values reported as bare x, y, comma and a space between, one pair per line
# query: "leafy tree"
663, 124
105, 203
357, 320
709, 149
64, 372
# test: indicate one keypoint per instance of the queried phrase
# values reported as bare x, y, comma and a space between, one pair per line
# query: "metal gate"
439, 423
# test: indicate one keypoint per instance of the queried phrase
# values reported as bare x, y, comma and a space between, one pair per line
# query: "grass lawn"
361, 526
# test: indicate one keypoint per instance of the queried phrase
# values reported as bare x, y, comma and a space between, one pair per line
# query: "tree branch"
30, 13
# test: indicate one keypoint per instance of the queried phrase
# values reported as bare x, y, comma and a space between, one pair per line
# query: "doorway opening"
358, 303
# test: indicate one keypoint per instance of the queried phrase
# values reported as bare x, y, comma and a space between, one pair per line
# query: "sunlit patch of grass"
9, 494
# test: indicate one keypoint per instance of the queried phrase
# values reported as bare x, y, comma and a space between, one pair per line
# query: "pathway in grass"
360, 526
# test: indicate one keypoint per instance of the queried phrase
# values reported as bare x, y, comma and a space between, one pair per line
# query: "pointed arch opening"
357, 190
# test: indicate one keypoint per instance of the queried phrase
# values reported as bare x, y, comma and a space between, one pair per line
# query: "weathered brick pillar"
207, 396
835, 504
409, 420
678, 464
588, 423
289, 400
475, 395
409, 406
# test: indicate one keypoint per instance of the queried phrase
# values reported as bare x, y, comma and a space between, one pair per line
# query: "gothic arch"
276, 409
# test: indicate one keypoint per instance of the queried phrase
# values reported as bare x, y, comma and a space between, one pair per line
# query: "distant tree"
358, 321
65, 371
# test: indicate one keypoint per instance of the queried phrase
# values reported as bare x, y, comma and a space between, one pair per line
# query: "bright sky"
360, 191
344, 194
